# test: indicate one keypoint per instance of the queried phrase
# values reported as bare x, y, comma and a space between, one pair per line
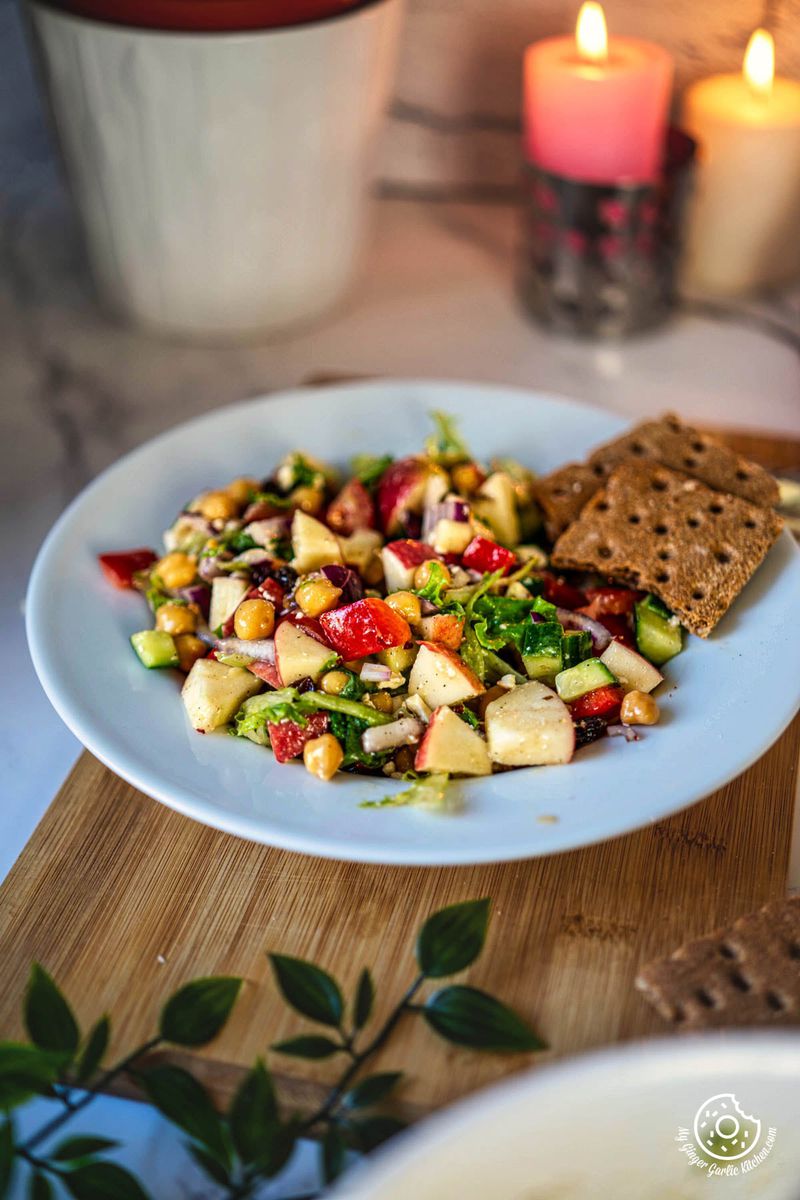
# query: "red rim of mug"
209, 16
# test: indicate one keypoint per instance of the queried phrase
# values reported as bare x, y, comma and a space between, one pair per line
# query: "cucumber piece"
541, 650
576, 647
154, 648
586, 677
658, 635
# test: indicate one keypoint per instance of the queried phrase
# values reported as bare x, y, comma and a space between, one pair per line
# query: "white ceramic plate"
606, 1126
731, 698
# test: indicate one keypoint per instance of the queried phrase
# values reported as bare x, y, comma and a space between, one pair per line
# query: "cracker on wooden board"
564, 492
668, 534
747, 974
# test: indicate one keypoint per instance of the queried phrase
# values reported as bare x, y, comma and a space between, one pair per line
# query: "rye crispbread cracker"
747, 974
563, 493
668, 534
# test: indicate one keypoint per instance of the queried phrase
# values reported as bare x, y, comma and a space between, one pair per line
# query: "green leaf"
103, 1181
334, 1150
429, 792
198, 1011
469, 1017
308, 1046
185, 1102
310, 990
39, 1187
6, 1155
369, 468
371, 1131
445, 445
365, 997
26, 1071
92, 1053
372, 1089
81, 1147
206, 1162
253, 1116
452, 938
437, 585
48, 1017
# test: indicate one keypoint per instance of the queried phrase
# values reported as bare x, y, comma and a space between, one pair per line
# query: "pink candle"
595, 109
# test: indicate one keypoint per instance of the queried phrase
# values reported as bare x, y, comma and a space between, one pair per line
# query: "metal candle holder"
600, 260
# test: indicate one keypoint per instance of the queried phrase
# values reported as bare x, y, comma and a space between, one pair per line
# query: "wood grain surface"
123, 900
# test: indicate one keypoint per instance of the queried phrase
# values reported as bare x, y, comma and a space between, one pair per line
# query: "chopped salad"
403, 622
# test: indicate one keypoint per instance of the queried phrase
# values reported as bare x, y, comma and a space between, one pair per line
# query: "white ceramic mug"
221, 178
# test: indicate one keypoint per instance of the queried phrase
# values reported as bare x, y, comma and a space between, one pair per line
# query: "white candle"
743, 227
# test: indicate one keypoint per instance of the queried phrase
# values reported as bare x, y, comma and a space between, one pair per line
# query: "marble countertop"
435, 299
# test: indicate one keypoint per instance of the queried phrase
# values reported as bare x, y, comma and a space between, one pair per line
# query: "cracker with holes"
563, 494
748, 974
655, 529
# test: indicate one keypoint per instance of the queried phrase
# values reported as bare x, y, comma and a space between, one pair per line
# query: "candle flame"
759, 62
590, 32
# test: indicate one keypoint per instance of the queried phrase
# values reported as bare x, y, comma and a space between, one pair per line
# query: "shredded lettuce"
437, 585
272, 498
430, 791
446, 445
467, 716
370, 468
287, 704
501, 621
156, 594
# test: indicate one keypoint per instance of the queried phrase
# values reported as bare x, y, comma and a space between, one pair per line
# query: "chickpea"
333, 683
308, 499
406, 604
176, 570
176, 618
423, 573
254, 619
323, 756
240, 490
372, 571
382, 701
217, 506
467, 478
316, 596
189, 648
639, 708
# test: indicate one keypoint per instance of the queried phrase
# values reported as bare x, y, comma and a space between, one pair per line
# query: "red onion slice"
404, 732
573, 620
451, 509
260, 648
625, 731
375, 673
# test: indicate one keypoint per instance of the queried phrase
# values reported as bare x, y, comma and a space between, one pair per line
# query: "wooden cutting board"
124, 900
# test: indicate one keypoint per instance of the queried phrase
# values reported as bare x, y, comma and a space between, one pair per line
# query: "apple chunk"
300, 656
401, 490
212, 693
440, 677
452, 747
444, 628
633, 671
529, 727
400, 561
496, 504
313, 544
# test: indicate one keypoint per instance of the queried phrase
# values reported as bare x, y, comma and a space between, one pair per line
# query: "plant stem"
105, 1079
336, 1093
